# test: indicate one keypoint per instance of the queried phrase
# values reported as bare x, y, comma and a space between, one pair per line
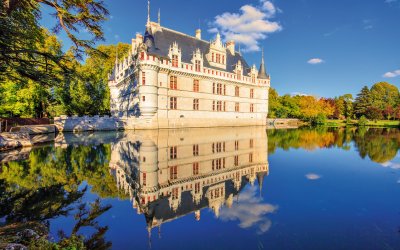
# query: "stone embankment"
26, 136
11, 140
277, 123
86, 123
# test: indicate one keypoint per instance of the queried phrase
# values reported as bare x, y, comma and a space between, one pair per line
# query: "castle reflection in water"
173, 173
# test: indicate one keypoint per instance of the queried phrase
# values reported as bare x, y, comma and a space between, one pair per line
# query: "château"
171, 79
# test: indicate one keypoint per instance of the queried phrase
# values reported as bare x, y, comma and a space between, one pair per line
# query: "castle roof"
163, 38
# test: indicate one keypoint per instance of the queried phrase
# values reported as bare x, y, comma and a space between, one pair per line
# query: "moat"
219, 188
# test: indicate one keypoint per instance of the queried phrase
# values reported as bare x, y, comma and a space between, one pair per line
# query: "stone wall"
86, 123
10, 141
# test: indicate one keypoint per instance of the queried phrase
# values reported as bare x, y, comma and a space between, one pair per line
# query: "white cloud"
390, 1
249, 26
299, 94
249, 211
392, 165
392, 74
315, 61
312, 176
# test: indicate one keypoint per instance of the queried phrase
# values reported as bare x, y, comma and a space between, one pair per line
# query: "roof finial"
159, 17
148, 12
262, 55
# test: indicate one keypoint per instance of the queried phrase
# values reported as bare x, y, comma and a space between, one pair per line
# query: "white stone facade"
174, 80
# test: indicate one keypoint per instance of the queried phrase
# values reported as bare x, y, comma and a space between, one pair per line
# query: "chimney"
198, 34
231, 46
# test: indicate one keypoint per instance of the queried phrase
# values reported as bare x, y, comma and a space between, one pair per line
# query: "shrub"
362, 121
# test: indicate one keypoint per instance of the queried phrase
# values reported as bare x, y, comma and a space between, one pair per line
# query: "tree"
374, 113
273, 102
20, 34
348, 105
362, 102
339, 108
384, 94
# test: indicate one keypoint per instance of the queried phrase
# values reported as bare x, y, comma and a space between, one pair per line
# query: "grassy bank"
378, 123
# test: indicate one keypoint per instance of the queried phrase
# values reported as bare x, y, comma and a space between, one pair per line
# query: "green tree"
21, 33
384, 94
362, 102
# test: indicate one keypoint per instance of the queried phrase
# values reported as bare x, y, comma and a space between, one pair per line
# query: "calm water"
230, 188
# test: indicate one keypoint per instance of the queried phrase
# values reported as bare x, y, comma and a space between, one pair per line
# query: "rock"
15, 246
11, 140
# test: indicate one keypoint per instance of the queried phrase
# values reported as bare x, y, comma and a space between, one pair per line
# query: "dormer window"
174, 60
218, 58
239, 75
197, 65
175, 55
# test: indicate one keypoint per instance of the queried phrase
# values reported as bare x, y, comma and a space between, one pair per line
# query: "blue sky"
322, 48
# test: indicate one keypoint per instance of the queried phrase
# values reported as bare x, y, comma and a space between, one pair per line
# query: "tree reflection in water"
48, 185
379, 144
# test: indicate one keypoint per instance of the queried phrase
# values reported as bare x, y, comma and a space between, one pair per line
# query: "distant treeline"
381, 101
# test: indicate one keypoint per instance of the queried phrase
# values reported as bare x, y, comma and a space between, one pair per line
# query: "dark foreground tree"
20, 36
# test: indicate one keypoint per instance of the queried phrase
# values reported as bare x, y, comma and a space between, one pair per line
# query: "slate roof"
163, 38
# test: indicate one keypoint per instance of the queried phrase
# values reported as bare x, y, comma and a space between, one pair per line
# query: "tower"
262, 74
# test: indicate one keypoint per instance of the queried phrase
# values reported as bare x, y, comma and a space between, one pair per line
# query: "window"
236, 145
236, 91
251, 143
251, 107
218, 56
239, 75
174, 60
175, 192
172, 152
144, 179
219, 105
195, 168
143, 78
197, 65
223, 60
141, 55
224, 106
251, 157
219, 88
236, 107
195, 104
212, 57
236, 160
197, 188
251, 93
196, 150
173, 82
173, 103
213, 87
224, 89
196, 85
173, 172
143, 98
213, 105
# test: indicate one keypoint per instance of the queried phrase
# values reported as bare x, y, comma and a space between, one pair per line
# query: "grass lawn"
379, 123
